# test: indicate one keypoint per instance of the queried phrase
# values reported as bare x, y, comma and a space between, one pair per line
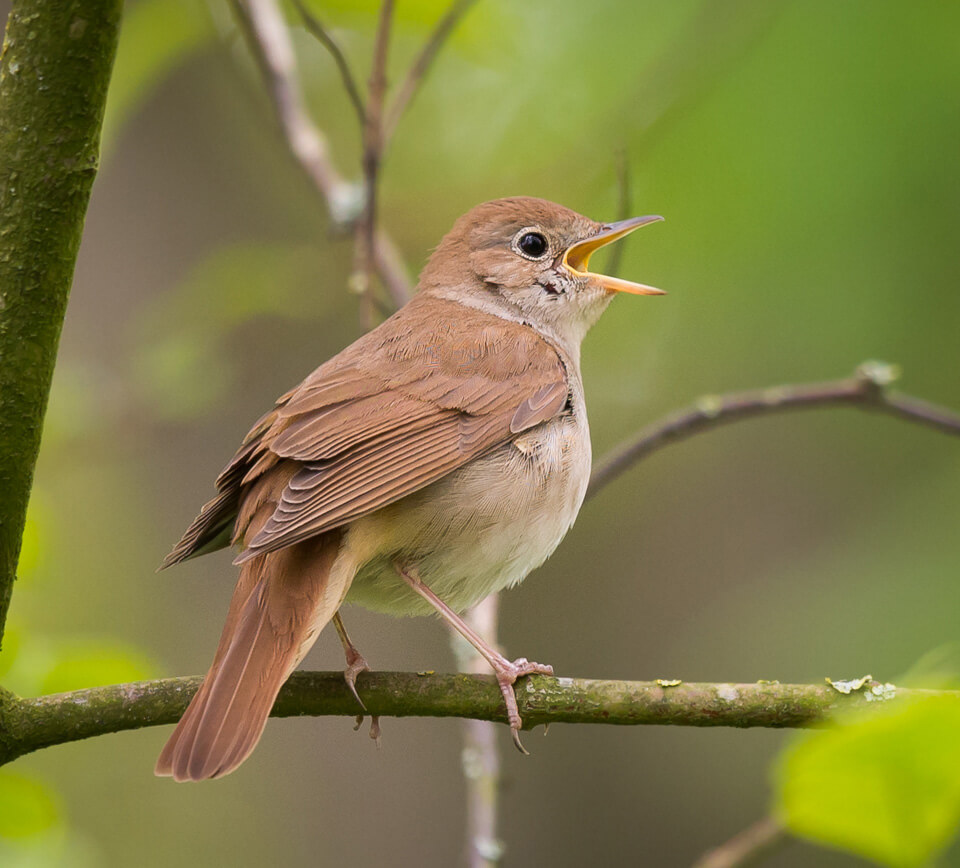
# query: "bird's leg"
355, 665
507, 671
355, 660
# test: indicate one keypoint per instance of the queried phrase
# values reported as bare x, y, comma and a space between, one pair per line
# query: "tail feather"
281, 603
227, 714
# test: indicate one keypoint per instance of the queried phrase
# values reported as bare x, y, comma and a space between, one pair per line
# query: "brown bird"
438, 459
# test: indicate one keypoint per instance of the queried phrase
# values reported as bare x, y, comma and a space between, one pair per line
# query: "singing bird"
438, 459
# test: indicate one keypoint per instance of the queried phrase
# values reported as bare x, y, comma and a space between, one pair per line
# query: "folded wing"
383, 419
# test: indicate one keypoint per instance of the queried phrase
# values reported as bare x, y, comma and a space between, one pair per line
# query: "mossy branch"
27, 725
54, 72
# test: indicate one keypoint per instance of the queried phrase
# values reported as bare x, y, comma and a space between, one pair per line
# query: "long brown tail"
281, 603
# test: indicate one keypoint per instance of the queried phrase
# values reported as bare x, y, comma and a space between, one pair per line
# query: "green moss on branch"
27, 725
54, 72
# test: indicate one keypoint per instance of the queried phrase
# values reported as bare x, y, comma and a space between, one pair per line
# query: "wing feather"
435, 386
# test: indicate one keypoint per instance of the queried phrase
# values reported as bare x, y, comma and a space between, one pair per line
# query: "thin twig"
269, 41
319, 31
266, 33
392, 269
27, 725
867, 390
481, 757
745, 848
624, 200
366, 228
421, 66
923, 412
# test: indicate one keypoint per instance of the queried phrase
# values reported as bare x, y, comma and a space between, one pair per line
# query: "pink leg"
355, 661
507, 672
355, 665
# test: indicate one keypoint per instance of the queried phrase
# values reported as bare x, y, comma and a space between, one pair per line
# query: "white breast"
481, 529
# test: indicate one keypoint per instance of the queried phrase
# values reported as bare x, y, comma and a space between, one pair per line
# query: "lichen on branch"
27, 725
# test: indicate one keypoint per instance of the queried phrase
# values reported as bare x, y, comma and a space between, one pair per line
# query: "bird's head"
528, 259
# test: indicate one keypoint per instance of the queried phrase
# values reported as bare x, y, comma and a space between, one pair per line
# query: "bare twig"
269, 41
421, 66
373, 252
624, 200
319, 31
266, 34
867, 390
481, 757
747, 847
392, 269
922, 412
366, 228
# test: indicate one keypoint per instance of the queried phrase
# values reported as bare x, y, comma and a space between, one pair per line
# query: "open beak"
577, 256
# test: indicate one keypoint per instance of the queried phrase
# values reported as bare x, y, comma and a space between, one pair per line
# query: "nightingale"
439, 458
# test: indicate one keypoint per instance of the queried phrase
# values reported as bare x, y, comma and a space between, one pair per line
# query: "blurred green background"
805, 157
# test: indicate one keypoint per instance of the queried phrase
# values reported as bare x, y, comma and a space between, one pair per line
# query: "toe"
517, 743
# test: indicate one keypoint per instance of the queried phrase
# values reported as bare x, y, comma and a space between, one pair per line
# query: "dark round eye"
532, 244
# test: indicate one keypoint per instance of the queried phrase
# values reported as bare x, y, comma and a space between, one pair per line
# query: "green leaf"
28, 807
92, 663
157, 36
886, 786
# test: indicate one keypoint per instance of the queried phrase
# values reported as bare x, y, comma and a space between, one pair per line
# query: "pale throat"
563, 326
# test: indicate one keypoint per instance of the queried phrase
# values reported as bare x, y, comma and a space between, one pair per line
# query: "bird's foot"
355, 660
507, 673
355, 665
375, 732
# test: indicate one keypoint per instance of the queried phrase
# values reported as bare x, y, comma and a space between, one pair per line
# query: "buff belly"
480, 529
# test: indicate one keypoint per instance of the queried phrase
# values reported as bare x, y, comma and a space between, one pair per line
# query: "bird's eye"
532, 244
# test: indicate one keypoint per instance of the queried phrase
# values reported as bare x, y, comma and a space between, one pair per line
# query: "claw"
375, 731
355, 661
507, 674
517, 743
354, 667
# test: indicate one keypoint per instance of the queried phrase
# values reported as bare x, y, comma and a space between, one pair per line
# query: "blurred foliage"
158, 36
27, 807
32, 662
938, 669
884, 785
90, 662
803, 154
185, 331
33, 830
